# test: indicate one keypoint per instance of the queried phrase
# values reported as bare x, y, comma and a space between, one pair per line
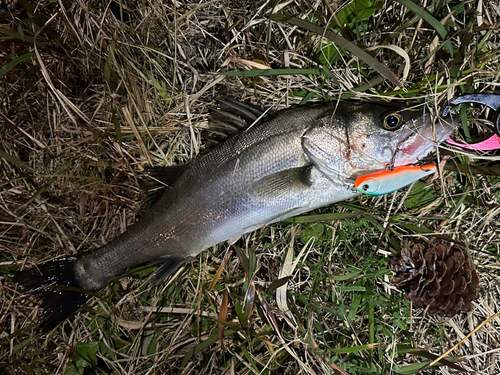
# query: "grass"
89, 102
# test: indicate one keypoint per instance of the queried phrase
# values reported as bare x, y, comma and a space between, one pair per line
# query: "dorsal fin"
231, 117
248, 112
158, 179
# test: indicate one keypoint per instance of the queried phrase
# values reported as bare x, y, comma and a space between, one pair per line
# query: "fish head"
353, 138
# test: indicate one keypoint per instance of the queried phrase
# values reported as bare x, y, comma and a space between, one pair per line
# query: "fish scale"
292, 162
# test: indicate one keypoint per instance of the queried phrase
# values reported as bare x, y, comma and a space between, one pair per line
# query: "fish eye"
392, 121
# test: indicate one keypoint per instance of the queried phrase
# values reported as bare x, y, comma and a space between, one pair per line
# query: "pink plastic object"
492, 143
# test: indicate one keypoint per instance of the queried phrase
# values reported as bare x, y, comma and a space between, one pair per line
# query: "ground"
94, 93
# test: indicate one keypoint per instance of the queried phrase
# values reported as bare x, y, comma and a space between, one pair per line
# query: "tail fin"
55, 283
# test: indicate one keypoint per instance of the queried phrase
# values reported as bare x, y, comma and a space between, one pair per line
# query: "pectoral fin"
282, 183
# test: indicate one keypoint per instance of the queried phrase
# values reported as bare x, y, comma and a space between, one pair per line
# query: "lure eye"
369, 186
392, 121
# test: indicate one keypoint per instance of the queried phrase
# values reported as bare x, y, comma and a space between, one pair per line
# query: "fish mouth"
415, 144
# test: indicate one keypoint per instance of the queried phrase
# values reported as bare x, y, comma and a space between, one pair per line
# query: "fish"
276, 165
385, 182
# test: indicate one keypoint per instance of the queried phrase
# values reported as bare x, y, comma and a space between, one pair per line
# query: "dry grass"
100, 100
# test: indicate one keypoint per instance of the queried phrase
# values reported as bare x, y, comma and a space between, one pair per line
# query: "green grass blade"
109, 62
116, 123
344, 277
448, 361
411, 369
11, 64
271, 72
353, 310
204, 344
413, 228
245, 263
323, 217
426, 16
343, 43
354, 349
16, 35
13, 160
353, 288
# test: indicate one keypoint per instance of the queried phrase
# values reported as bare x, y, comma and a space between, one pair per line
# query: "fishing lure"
490, 100
385, 182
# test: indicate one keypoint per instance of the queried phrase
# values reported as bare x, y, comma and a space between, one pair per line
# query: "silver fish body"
299, 160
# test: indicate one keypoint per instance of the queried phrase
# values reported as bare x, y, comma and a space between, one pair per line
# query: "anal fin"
170, 265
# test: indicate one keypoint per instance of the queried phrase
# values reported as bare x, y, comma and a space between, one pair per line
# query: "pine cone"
440, 277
